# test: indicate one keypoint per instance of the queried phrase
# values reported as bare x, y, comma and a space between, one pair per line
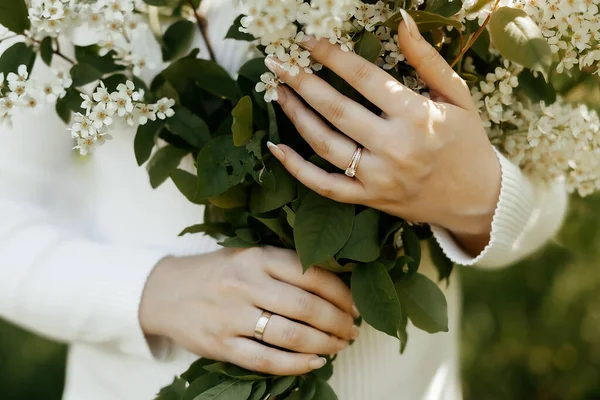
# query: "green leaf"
163, 163
202, 384
481, 47
273, 129
322, 228
363, 244
426, 21
14, 15
177, 39
253, 69
263, 199
255, 144
237, 242
197, 370
375, 297
229, 390
424, 302
157, 3
242, 121
221, 165
46, 50
276, 225
412, 247
368, 46
234, 197
234, 31
290, 216
445, 8
189, 126
83, 74
282, 384
16, 55
233, 371
442, 263
536, 88
187, 184
172, 392
89, 55
145, 139
206, 74
69, 103
258, 390
402, 332
324, 391
210, 228
519, 39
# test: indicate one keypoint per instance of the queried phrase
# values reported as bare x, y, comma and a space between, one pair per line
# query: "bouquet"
521, 58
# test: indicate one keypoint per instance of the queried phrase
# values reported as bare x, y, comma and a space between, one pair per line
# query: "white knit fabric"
78, 238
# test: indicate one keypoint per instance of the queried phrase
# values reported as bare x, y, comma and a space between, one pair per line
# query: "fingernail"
411, 25
277, 152
355, 332
355, 312
308, 42
272, 64
317, 363
342, 344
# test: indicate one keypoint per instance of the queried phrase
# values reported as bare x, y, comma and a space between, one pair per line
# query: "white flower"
268, 84
128, 89
101, 115
123, 103
164, 108
146, 112
83, 126
87, 103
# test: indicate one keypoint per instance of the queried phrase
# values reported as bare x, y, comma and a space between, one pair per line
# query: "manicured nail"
355, 332
308, 42
277, 152
413, 29
342, 344
317, 363
272, 64
355, 312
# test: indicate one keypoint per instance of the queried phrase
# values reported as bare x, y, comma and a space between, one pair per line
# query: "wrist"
153, 303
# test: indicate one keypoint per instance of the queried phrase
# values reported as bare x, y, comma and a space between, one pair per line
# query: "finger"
327, 143
290, 335
430, 65
347, 115
285, 266
375, 84
294, 303
334, 186
254, 356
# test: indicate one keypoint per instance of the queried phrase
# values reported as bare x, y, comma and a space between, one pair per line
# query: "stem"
202, 26
474, 38
61, 55
8, 38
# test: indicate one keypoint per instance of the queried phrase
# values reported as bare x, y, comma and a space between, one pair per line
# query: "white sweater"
79, 237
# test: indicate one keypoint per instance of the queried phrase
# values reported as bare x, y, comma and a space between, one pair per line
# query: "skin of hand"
425, 160
210, 304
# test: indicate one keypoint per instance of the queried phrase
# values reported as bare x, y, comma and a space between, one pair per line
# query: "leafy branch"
201, 22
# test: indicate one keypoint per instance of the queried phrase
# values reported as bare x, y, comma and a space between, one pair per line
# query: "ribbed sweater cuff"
513, 211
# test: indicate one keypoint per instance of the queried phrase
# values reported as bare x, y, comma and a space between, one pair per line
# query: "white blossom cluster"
114, 21
275, 26
572, 27
18, 92
557, 141
548, 142
92, 128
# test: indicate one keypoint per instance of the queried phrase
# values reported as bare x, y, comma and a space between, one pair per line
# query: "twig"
61, 55
7, 38
202, 26
474, 37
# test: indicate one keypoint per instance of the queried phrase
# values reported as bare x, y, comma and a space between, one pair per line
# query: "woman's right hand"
210, 304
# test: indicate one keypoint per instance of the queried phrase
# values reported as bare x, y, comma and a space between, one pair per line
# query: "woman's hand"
210, 304
426, 160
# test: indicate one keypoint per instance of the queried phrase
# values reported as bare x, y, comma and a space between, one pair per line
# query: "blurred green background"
530, 332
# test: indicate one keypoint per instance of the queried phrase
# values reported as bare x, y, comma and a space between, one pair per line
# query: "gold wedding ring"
261, 325
353, 166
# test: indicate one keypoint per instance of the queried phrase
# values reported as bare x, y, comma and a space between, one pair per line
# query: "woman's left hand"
425, 160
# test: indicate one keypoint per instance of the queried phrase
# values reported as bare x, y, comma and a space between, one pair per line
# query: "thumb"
430, 65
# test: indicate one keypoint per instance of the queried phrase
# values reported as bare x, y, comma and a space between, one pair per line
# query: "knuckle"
324, 148
291, 337
363, 72
430, 55
336, 110
325, 191
261, 363
301, 83
306, 304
